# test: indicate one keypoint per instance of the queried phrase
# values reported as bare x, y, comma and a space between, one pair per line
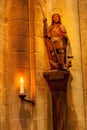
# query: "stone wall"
69, 12
2, 66
19, 114
42, 112
23, 53
83, 33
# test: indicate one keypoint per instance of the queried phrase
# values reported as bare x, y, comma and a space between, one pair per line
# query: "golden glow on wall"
21, 80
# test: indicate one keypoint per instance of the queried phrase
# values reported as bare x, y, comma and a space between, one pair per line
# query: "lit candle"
21, 85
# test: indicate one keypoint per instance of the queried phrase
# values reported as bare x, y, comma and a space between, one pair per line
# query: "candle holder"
23, 98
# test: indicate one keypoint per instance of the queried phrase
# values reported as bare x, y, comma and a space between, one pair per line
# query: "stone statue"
56, 41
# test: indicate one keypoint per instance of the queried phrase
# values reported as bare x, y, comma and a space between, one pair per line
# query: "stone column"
75, 97
19, 114
83, 33
3, 104
39, 63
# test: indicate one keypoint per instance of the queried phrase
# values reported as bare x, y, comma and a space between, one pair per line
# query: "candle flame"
21, 85
21, 80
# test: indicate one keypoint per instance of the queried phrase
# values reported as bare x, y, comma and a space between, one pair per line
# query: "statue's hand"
45, 20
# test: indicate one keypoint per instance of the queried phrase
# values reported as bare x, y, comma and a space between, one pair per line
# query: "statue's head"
56, 18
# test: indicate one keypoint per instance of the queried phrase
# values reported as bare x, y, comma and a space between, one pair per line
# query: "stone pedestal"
57, 81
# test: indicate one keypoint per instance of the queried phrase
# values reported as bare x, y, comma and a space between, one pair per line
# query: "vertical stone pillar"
3, 103
75, 97
19, 114
39, 63
83, 33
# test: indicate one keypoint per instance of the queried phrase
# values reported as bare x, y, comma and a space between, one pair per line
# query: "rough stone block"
19, 27
18, 43
17, 12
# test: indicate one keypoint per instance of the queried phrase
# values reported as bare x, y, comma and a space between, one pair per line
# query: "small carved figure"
56, 41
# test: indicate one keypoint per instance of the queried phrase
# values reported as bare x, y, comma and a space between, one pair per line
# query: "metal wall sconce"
23, 98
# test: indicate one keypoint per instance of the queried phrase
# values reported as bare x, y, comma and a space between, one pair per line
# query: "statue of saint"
59, 54
56, 41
